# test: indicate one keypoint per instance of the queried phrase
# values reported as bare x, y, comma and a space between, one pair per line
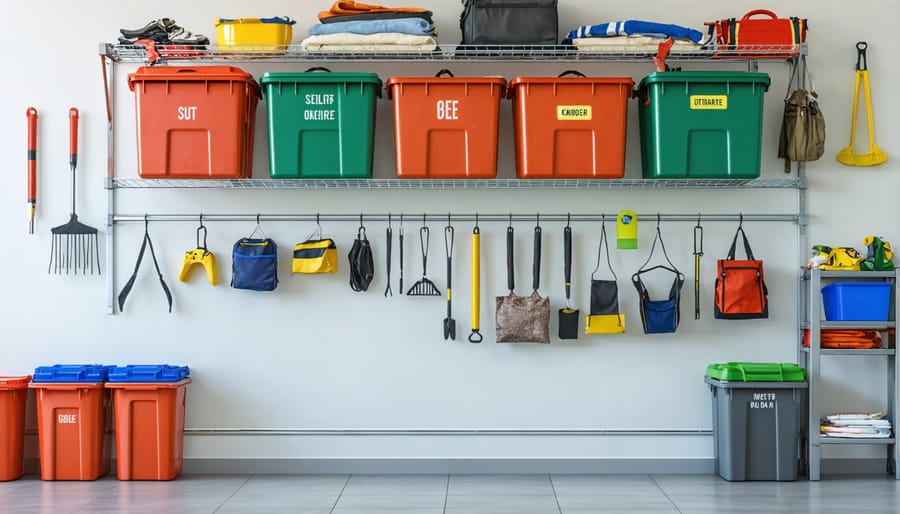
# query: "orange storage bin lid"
525, 81
14, 382
191, 74
443, 81
147, 386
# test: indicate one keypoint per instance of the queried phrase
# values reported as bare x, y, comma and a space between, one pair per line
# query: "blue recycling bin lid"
71, 373
148, 373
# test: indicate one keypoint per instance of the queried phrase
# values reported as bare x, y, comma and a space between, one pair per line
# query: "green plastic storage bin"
756, 372
701, 124
321, 124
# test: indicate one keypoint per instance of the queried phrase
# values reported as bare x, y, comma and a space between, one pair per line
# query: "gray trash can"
756, 427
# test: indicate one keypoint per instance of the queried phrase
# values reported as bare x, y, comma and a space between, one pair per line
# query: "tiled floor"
474, 494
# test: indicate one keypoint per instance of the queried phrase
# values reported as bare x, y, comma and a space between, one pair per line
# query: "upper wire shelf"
448, 52
758, 183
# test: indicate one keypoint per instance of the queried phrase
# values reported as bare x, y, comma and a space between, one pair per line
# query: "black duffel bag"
509, 22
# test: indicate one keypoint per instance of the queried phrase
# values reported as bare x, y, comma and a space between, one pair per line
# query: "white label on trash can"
448, 109
319, 114
763, 401
187, 113
67, 419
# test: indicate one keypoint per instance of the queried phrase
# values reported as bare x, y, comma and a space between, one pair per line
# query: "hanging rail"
459, 217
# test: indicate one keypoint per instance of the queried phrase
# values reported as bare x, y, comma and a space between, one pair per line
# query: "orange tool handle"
73, 136
31, 114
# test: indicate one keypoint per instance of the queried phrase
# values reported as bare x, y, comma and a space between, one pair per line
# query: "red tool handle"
31, 114
765, 12
73, 136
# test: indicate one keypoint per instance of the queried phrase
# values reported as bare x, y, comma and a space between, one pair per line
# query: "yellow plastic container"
254, 34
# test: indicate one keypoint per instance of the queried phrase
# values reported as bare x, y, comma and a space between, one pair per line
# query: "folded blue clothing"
414, 26
634, 28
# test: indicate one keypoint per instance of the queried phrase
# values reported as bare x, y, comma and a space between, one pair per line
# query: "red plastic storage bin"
570, 127
149, 429
446, 127
194, 122
72, 430
13, 392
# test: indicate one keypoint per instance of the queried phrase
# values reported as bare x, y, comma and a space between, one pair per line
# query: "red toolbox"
446, 127
570, 127
194, 122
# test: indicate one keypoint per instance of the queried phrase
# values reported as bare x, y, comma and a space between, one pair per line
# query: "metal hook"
423, 219
698, 219
476, 220
448, 219
740, 220
201, 220
360, 220
568, 219
389, 220
510, 220
658, 219
257, 218
538, 217
146, 221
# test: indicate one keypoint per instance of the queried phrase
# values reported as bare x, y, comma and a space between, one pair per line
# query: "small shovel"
449, 322
875, 155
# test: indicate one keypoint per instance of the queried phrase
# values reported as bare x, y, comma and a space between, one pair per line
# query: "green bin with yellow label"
701, 124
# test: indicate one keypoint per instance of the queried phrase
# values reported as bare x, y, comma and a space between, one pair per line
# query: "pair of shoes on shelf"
163, 31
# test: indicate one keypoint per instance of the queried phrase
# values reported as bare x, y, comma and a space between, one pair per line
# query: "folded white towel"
628, 44
374, 49
383, 38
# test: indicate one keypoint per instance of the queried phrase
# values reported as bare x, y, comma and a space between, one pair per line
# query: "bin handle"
186, 70
318, 68
444, 71
571, 72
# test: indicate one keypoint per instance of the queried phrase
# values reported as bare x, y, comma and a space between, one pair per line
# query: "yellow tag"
709, 102
573, 112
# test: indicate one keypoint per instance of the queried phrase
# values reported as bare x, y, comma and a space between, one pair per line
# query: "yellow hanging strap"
875, 155
475, 336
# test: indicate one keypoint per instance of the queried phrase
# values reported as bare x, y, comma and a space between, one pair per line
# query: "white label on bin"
709, 102
574, 112
763, 401
67, 419
319, 114
448, 109
187, 113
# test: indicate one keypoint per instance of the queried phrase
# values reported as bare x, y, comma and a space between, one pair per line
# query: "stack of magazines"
856, 424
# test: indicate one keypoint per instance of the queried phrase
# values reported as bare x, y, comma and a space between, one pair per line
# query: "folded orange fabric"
342, 8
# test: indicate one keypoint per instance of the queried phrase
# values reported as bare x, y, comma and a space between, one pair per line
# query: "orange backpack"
741, 285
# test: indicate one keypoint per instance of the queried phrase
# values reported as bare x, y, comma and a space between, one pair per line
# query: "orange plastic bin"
149, 421
194, 122
446, 127
72, 420
13, 392
570, 127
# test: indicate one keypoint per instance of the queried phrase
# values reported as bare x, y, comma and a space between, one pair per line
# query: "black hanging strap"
137, 266
567, 252
510, 260
536, 265
604, 246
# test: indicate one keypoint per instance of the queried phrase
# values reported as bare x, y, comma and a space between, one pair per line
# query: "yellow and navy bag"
315, 256
604, 317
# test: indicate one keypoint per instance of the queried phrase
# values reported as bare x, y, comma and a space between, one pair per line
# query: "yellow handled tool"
875, 155
475, 336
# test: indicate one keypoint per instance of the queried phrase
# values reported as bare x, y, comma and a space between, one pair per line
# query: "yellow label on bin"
709, 102
573, 112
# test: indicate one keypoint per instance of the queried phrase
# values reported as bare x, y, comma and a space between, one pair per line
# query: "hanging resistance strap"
698, 252
137, 265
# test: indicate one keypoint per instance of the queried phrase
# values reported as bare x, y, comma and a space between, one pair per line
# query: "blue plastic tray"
71, 373
148, 373
857, 301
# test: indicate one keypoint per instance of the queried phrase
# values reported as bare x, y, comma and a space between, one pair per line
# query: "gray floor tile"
254, 509
502, 504
586, 485
500, 485
655, 500
283, 499
397, 503
396, 485
381, 511
318, 485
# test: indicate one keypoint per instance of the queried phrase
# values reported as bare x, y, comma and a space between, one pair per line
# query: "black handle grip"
572, 72
510, 260
443, 72
567, 252
318, 68
536, 266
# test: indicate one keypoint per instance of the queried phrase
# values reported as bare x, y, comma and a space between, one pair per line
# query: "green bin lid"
706, 77
320, 77
756, 372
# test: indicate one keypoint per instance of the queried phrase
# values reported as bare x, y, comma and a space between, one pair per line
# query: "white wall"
316, 355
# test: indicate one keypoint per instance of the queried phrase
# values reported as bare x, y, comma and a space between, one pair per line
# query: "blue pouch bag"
659, 316
254, 264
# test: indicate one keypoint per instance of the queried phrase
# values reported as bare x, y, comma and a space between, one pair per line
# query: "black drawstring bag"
362, 267
568, 317
659, 316
605, 317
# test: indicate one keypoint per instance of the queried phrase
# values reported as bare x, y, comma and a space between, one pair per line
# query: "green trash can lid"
706, 77
320, 77
756, 372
